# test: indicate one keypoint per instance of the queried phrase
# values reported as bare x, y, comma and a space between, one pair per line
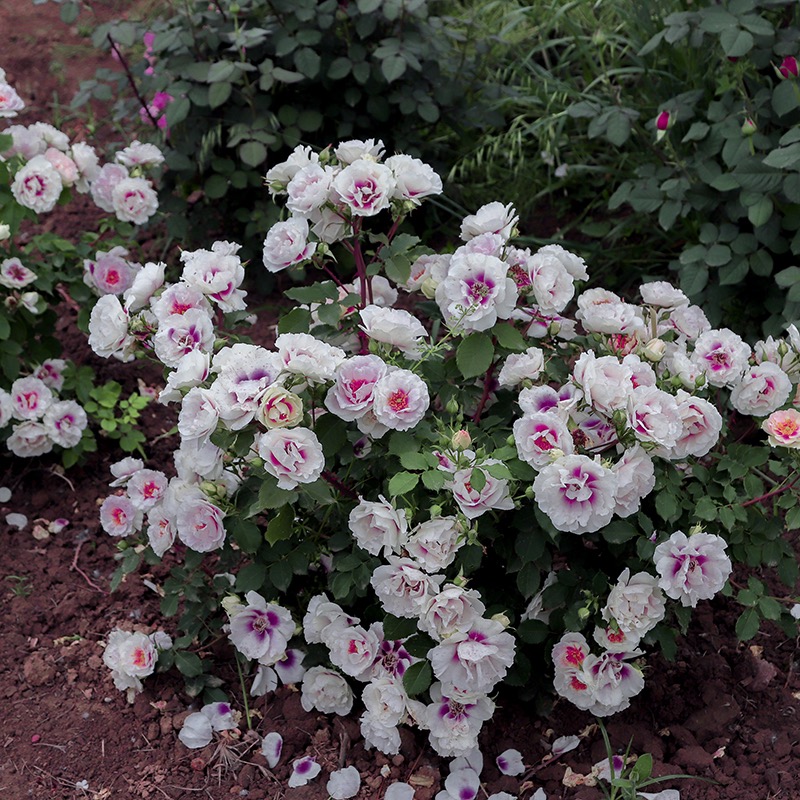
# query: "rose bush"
442, 448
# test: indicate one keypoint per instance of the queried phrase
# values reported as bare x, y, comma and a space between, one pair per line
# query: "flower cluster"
39, 420
400, 453
132, 656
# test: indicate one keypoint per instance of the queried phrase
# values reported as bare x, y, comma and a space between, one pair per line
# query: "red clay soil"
724, 711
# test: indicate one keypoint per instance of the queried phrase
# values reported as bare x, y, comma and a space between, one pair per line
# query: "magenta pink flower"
789, 68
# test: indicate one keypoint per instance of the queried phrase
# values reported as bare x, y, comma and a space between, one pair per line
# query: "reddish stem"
339, 485
779, 490
131, 81
487, 389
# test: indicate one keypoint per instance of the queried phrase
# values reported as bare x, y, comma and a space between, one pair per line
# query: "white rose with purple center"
261, 630
476, 292
453, 610
119, 516
305, 355
722, 355
29, 439
494, 495
292, 456
454, 723
108, 328
636, 478
613, 682
702, 424
364, 187
474, 661
635, 603
576, 493
37, 185
762, 389
180, 334
654, 417
309, 189
692, 568
539, 435
434, 544
14, 275
662, 294
65, 422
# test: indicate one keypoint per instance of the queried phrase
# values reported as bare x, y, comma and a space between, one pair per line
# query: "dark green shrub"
250, 80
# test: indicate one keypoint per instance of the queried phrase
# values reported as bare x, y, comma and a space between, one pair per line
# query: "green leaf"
297, 320
280, 573
747, 624
188, 664
433, 479
245, 533
287, 76
474, 355
339, 68
402, 483
784, 157
69, 13
251, 578
770, 608
417, 678
619, 531
694, 278
178, 110
316, 293
393, 67
784, 98
253, 153
509, 337
413, 461
618, 130
281, 526
667, 506
419, 645
533, 631
760, 213
307, 61
736, 43
706, 509
642, 769
220, 71
477, 479
398, 628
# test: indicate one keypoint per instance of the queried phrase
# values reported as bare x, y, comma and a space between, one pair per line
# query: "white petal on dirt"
344, 783
510, 762
399, 791
303, 770
196, 731
18, 521
501, 796
664, 794
271, 748
539, 795
472, 760
5, 494
266, 680
564, 744
463, 784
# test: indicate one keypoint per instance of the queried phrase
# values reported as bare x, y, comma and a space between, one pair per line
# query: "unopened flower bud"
279, 408
5, 232
554, 328
783, 348
583, 614
428, 288
30, 300
452, 406
789, 68
529, 493
700, 381
749, 127
654, 350
209, 488
435, 511
620, 418
664, 121
554, 454
696, 529
232, 604
502, 619
461, 440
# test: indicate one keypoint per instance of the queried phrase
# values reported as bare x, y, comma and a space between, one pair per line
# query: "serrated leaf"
433, 479
619, 531
736, 43
297, 320
414, 461
509, 337
417, 678
188, 664
747, 624
474, 355
281, 526
316, 293
402, 483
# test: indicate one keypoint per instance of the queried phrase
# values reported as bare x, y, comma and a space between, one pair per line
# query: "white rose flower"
180, 334
37, 185
702, 424
692, 568
378, 526
287, 244
309, 189
395, 327
434, 544
403, 589
476, 292
538, 435
261, 630
30, 398
29, 439
353, 149
294, 456
606, 383
104, 183
217, 273
415, 179
326, 691
762, 389
302, 354
573, 264
453, 610
636, 478
279, 176
351, 395
722, 355
635, 603
653, 415
199, 523
108, 328
365, 187
490, 218
552, 285
10, 101
454, 723
577, 494
14, 275
688, 321
495, 493
476, 660
662, 294
521, 366
139, 154
400, 400
134, 200
65, 422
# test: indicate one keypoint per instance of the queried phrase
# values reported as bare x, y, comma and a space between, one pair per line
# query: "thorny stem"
131, 81
244, 693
